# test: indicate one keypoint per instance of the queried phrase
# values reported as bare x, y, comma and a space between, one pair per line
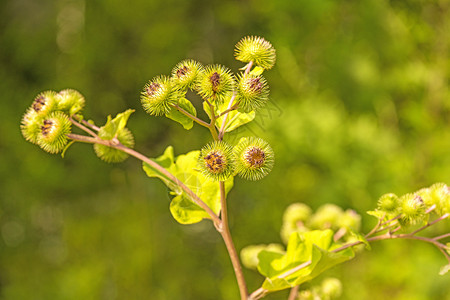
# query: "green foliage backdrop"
360, 107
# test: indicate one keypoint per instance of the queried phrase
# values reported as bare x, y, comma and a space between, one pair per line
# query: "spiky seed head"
70, 100
215, 83
112, 155
440, 195
413, 209
216, 161
254, 158
185, 74
252, 92
256, 49
53, 130
331, 288
388, 203
158, 95
350, 219
45, 103
31, 125
326, 216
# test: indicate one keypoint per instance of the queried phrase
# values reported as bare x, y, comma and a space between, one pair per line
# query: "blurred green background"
360, 107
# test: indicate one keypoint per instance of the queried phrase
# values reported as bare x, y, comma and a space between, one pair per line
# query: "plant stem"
212, 125
117, 145
261, 292
92, 126
224, 231
194, 118
230, 105
224, 122
227, 111
442, 236
83, 127
431, 223
294, 292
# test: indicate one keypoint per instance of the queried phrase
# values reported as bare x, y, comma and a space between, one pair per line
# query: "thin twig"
227, 110
82, 127
92, 126
431, 223
212, 124
442, 236
259, 293
230, 104
194, 118
375, 228
119, 146
224, 121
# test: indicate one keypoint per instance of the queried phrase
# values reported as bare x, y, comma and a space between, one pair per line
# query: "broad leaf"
444, 270
249, 254
184, 168
359, 237
113, 126
179, 117
234, 118
257, 71
310, 250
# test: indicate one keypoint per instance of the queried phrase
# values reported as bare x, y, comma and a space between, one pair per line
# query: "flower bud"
331, 288
185, 74
216, 83
158, 95
297, 212
294, 219
440, 195
349, 220
326, 216
252, 92
70, 100
112, 155
257, 50
216, 161
254, 158
388, 203
53, 130
413, 209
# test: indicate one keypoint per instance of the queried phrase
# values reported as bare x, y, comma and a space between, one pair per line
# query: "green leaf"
235, 118
184, 167
113, 126
166, 161
310, 250
359, 237
257, 71
179, 117
249, 254
444, 270
377, 214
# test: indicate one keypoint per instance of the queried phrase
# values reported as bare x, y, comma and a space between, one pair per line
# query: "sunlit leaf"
444, 270
307, 256
181, 118
184, 168
234, 119
113, 126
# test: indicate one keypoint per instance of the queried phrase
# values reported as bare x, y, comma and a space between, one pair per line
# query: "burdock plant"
201, 179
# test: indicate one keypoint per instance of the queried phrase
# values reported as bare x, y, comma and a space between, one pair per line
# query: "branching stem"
226, 235
194, 118
117, 145
261, 292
